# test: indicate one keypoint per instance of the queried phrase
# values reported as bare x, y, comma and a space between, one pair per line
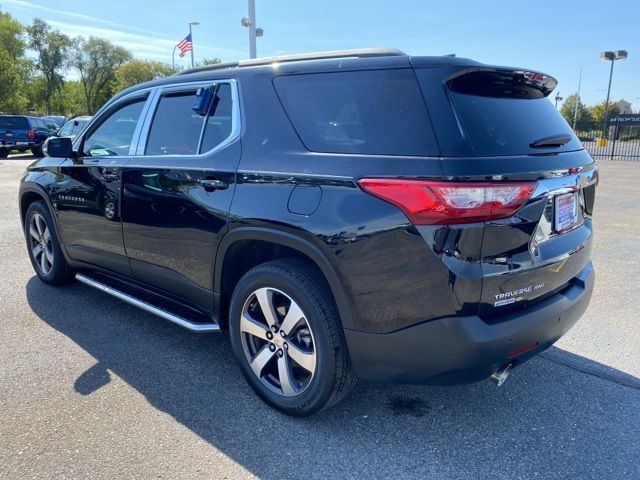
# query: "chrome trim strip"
194, 327
143, 124
172, 88
564, 184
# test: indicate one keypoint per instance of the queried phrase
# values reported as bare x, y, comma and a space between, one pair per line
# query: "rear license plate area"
566, 213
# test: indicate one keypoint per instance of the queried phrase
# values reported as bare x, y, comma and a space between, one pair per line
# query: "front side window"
177, 129
115, 134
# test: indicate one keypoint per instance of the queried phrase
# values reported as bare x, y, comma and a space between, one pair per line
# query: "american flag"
185, 45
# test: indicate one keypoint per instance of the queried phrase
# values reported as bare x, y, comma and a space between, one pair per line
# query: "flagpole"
191, 44
191, 35
173, 58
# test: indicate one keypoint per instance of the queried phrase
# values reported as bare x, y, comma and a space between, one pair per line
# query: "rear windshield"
365, 112
503, 112
13, 122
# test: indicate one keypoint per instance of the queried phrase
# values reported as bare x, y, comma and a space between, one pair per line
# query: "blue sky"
556, 37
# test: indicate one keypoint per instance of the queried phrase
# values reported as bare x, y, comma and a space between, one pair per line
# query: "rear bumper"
16, 144
457, 350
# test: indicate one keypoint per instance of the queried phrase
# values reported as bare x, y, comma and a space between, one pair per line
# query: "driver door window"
115, 134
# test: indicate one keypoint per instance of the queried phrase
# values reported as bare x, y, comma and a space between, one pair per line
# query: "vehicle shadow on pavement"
558, 415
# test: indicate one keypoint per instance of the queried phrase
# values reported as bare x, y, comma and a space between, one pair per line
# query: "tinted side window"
176, 128
115, 134
78, 125
67, 129
218, 127
368, 112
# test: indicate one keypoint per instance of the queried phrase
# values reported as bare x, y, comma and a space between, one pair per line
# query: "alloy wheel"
278, 342
41, 243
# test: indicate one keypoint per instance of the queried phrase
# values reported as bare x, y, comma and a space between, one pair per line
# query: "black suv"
20, 132
351, 214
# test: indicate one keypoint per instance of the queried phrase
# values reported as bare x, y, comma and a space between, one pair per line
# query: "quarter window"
368, 112
115, 134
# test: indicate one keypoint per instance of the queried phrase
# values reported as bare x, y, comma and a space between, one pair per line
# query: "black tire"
4, 152
301, 282
59, 271
37, 152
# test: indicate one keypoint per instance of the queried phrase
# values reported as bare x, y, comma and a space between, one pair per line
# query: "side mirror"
59, 147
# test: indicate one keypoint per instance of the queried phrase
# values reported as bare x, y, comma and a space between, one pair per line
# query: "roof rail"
356, 52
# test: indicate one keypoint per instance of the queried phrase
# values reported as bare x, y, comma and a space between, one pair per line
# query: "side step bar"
183, 322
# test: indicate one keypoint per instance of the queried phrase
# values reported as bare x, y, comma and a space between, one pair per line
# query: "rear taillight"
31, 134
427, 202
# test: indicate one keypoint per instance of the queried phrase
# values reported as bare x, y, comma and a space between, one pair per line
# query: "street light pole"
252, 29
575, 107
558, 99
606, 104
611, 56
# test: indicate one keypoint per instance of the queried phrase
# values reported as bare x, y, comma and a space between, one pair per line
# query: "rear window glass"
504, 112
13, 122
369, 112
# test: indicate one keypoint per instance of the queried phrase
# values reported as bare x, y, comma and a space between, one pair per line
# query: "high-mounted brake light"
427, 202
31, 134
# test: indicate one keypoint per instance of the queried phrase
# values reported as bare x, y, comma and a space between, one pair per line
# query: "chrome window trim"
178, 87
99, 118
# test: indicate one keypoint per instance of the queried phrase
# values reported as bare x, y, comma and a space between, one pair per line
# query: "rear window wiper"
552, 141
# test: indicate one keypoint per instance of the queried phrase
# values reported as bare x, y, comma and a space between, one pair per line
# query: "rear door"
178, 188
88, 192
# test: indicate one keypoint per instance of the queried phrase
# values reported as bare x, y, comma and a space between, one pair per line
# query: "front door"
178, 189
88, 192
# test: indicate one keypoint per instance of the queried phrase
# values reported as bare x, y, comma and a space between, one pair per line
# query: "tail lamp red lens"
31, 134
427, 202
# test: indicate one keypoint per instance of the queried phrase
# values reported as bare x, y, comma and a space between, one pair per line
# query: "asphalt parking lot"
93, 388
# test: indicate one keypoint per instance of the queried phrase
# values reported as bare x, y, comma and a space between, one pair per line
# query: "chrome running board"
183, 322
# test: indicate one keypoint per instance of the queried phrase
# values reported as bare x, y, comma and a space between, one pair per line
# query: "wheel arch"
304, 248
32, 192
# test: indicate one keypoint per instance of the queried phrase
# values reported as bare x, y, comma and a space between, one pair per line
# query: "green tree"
597, 111
14, 67
12, 99
573, 108
11, 36
138, 71
68, 100
97, 60
52, 48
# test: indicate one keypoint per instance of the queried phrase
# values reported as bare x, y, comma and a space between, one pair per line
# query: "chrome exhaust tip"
500, 376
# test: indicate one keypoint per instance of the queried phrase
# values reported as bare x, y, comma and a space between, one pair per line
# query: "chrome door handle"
211, 184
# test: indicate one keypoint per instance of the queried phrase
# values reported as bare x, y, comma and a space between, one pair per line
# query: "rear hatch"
497, 127
13, 129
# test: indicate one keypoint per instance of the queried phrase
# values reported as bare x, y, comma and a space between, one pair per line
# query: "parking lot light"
610, 56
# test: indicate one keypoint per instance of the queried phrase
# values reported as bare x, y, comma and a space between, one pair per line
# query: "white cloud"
143, 43
80, 16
